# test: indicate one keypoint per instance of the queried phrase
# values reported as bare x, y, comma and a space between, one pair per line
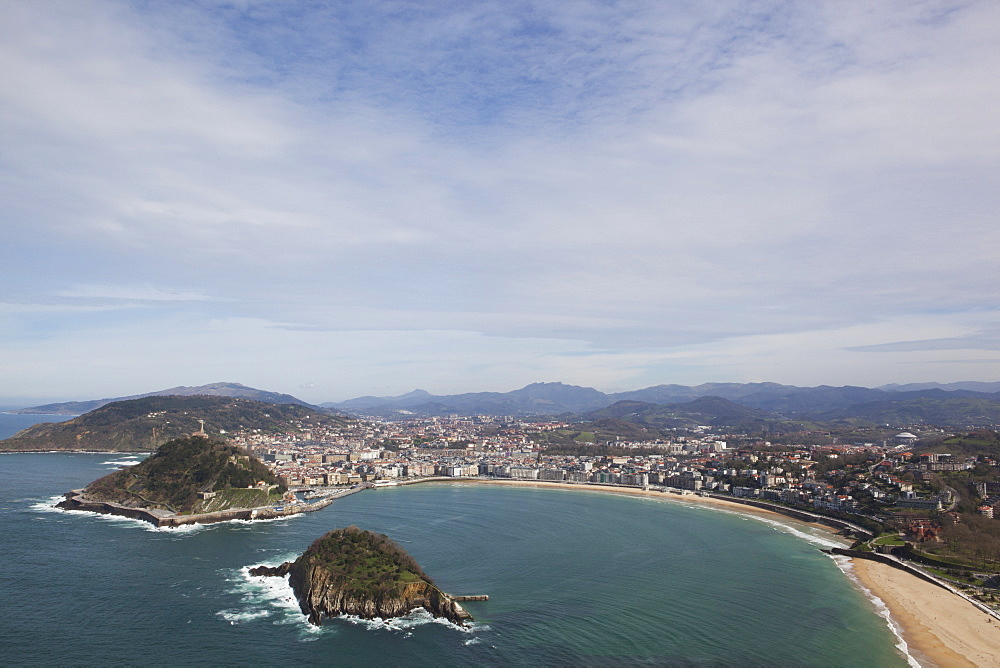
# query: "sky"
334, 199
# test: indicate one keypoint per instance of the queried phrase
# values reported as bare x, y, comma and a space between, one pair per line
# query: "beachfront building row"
844, 478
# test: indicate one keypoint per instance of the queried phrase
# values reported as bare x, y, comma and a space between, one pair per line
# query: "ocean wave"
821, 538
49, 505
816, 536
272, 598
121, 463
881, 609
238, 616
411, 620
277, 594
188, 529
182, 530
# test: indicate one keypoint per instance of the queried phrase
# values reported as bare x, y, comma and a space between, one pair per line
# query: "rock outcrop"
354, 572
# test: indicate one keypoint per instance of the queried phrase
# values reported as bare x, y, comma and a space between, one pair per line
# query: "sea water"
574, 578
11, 423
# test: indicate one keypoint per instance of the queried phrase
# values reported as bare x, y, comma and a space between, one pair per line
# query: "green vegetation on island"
355, 572
190, 475
364, 562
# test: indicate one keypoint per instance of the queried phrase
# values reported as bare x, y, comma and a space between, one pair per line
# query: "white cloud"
618, 183
130, 293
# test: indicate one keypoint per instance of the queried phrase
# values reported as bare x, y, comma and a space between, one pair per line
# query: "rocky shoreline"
362, 574
76, 500
318, 597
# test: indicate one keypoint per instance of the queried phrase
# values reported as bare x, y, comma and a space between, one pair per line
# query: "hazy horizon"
15, 402
333, 200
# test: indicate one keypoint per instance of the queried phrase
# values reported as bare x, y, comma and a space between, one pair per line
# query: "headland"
194, 480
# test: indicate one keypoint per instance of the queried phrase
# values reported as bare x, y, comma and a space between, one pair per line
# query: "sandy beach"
940, 629
686, 498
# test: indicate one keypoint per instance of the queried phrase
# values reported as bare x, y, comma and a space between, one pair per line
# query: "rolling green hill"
235, 390
941, 410
980, 442
147, 423
713, 411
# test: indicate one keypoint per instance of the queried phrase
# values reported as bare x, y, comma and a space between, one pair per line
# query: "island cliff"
355, 572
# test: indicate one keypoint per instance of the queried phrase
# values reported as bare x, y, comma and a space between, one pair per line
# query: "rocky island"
190, 480
355, 572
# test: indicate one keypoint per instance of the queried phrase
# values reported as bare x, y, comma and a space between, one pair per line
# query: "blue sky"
337, 199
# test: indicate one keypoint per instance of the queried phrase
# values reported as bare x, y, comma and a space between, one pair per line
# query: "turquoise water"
574, 579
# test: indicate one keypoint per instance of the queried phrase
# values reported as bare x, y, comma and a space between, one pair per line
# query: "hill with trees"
355, 572
235, 390
190, 475
146, 424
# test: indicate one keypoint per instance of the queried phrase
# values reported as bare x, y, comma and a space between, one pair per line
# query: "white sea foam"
187, 529
820, 537
881, 609
121, 463
265, 597
237, 616
182, 530
49, 506
276, 594
411, 620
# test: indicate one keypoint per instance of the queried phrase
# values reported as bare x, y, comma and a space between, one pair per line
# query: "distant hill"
210, 390
554, 399
930, 407
147, 423
534, 399
973, 386
709, 411
972, 443
414, 398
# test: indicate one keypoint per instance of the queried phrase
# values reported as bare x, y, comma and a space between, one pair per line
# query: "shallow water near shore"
573, 578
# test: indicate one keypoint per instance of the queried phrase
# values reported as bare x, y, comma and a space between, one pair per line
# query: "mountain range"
788, 401
955, 404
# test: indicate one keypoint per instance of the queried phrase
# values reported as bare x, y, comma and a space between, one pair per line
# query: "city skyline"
330, 201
